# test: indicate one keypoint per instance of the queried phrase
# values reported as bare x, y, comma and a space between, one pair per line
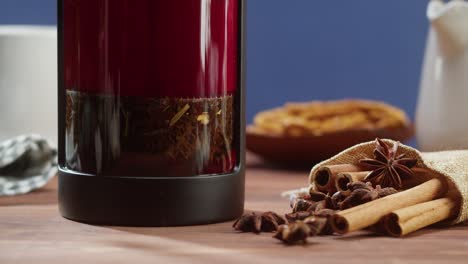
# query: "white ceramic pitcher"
442, 112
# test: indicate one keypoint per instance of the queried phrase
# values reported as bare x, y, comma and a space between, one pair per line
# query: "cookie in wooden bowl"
306, 133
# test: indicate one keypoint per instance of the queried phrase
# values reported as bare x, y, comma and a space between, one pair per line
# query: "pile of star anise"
311, 213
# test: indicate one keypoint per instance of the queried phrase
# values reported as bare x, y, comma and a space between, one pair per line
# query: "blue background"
301, 50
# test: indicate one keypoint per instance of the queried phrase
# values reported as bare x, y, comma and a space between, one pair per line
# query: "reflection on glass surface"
151, 87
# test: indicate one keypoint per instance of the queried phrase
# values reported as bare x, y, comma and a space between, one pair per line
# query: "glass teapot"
151, 107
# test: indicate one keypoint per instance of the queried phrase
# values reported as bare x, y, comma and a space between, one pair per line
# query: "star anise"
337, 198
311, 202
319, 205
303, 205
300, 215
323, 200
319, 224
364, 192
259, 221
293, 197
293, 233
299, 231
325, 216
388, 168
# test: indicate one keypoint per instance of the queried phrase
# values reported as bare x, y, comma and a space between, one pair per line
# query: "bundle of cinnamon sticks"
390, 193
423, 200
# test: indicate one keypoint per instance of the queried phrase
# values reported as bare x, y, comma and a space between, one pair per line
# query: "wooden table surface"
32, 231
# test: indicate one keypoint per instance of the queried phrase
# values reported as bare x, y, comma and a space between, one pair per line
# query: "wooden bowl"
308, 150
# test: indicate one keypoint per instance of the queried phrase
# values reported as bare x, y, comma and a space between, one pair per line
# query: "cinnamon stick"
343, 178
324, 178
370, 213
409, 219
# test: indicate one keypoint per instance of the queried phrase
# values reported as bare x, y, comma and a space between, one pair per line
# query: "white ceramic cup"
28, 81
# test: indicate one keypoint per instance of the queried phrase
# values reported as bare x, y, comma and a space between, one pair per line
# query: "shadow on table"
202, 239
195, 231
423, 232
217, 228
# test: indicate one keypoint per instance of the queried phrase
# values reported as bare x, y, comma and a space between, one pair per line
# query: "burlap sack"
453, 165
